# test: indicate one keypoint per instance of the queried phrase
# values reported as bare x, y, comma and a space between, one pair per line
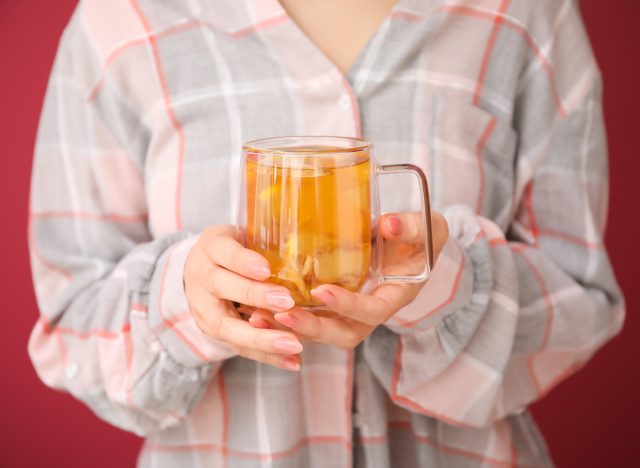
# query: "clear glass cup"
310, 206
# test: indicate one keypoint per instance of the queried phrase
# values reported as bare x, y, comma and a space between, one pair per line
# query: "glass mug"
310, 206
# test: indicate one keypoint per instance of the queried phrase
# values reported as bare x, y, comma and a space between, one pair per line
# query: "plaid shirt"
499, 101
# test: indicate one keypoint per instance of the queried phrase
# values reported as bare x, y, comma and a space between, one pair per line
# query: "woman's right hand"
219, 270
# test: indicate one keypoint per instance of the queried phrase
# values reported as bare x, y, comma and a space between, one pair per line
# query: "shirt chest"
416, 108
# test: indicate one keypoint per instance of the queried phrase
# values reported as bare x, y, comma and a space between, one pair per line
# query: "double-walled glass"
310, 206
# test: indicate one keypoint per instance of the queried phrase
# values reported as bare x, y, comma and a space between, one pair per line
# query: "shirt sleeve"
508, 315
115, 328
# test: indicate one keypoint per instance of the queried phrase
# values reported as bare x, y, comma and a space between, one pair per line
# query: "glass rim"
262, 145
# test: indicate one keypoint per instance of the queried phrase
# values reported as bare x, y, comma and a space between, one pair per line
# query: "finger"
223, 248
206, 308
405, 226
244, 338
258, 322
440, 231
365, 308
290, 363
218, 318
396, 296
243, 309
409, 227
261, 317
228, 285
333, 331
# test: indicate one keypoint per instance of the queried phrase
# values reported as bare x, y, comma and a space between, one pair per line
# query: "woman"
136, 265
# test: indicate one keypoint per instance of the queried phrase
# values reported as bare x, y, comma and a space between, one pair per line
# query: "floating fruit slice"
301, 244
290, 277
270, 194
274, 260
353, 225
351, 282
341, 263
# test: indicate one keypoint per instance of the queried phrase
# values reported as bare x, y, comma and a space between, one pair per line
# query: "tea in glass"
308, 213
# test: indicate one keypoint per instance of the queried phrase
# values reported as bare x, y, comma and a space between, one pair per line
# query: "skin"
219, 270
339, 28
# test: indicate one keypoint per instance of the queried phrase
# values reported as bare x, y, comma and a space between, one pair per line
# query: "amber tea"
308, 212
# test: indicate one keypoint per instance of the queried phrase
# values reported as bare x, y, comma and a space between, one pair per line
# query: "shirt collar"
238, 17
243, 16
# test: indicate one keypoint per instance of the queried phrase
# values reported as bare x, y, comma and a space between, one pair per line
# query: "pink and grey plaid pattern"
138, 150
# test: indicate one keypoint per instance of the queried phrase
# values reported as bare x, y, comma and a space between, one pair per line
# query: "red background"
589, 421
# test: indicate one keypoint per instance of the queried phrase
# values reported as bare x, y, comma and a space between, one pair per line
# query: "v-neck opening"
349, 75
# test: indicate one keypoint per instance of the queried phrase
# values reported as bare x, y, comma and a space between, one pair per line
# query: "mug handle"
426, 207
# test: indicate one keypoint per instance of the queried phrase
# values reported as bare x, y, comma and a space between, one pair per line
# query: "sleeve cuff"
170, 317
453, 281
448, 289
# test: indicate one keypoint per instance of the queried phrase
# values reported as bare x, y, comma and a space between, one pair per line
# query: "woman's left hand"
352, 317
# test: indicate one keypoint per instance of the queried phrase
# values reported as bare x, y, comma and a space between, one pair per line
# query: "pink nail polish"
279, 300
395, 225
260, 271
326, 297
258, 322
287, 320
291, 364
287, 345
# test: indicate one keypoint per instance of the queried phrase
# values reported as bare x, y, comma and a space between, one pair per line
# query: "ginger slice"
311, 259
341, 263
293, 281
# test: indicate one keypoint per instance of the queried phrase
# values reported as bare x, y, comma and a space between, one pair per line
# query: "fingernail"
287, 320
258, 322
325, 297
260, 271
395, 225
287, 345
291, 364
279, 300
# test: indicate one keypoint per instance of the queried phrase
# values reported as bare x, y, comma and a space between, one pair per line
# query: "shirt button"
344, 102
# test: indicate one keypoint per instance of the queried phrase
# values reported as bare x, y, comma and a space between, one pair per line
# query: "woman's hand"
352, 316
219, 270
